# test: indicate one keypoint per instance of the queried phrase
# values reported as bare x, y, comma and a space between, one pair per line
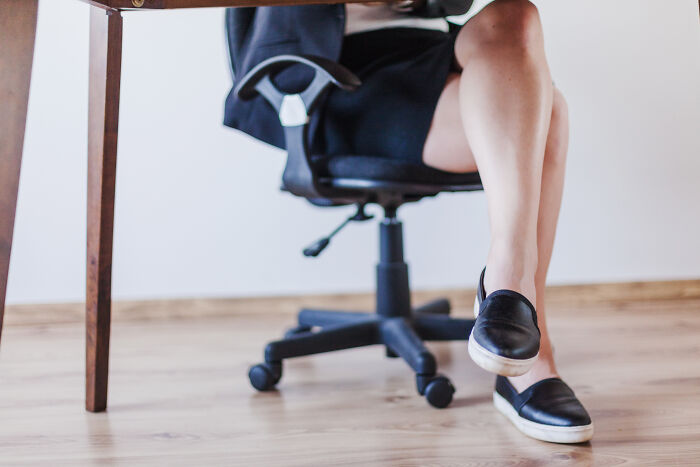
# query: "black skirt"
403, 73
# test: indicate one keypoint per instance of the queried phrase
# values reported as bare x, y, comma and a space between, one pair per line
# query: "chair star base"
397, 326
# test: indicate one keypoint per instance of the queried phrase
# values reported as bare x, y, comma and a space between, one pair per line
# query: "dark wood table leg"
17, 33
105, 74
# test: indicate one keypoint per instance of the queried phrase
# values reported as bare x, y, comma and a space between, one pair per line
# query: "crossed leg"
502, 116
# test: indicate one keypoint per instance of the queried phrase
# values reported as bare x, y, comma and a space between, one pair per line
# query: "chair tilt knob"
318, 246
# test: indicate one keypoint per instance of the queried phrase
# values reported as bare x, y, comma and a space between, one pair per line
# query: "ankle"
542, 369
518, 276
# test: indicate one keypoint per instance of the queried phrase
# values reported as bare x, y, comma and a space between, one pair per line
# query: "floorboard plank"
179, 396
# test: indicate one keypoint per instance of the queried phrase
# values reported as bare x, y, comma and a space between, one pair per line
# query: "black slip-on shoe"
505, 338
548, 410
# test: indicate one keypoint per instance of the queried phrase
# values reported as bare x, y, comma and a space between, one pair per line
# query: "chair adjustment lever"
318, 246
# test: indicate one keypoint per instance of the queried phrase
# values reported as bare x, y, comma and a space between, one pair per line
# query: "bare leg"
449, 149
550, 202
506, 103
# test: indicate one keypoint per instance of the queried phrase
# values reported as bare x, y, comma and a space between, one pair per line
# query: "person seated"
479, 97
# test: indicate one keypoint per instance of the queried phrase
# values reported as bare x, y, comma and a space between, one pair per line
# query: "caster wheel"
265, 376
439, 392
296, 331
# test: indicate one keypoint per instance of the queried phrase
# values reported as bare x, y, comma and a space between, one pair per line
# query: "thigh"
446, 146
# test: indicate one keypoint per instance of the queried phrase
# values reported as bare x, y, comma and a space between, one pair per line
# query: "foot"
548, 410
543, 368
505, 338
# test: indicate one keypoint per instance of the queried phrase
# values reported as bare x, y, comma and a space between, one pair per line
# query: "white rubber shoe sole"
552, 434
494, 363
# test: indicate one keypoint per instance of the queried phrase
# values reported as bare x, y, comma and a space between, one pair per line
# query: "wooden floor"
179, 395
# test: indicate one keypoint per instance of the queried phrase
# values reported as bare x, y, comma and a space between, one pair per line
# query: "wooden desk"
17, 33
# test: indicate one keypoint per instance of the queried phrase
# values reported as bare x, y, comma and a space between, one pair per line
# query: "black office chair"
360, 180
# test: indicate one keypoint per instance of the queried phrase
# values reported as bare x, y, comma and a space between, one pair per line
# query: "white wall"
198, 212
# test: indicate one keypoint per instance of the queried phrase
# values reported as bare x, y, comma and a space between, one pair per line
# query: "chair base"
321, 331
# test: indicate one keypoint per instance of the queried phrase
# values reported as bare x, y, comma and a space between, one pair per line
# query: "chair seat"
369, 172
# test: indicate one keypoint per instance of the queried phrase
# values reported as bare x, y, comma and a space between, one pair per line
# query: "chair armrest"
328, 69
294, 110
258, 80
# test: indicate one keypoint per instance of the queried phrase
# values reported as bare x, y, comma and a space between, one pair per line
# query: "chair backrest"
335, 180
237, 22
293, 110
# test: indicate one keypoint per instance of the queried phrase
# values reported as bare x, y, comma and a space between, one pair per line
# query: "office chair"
357, 179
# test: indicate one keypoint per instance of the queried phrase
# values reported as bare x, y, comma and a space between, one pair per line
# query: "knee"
505, 23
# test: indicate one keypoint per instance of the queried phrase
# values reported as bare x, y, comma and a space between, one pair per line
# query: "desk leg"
17, 32
105, 74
